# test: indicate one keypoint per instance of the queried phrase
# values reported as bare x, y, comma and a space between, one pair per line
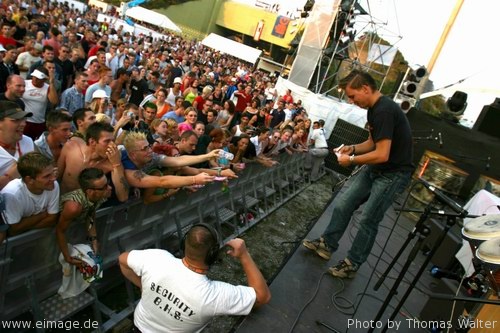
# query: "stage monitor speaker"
488, 119
445, 255
436, 310
343, 133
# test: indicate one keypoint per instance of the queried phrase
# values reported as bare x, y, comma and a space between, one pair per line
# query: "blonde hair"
189, 109
95, 104
207, 90
155, 123
132, 138
171, 124
102, 118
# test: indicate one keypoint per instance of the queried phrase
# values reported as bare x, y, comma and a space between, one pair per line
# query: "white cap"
177, 80
100, 94
39, 75
2, 49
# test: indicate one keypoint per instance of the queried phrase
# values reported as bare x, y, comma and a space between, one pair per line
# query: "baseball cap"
177, 80
39, 75
99, 94
2, 49
12, 110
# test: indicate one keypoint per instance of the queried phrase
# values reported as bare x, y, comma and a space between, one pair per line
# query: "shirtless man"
99, 151
82, 119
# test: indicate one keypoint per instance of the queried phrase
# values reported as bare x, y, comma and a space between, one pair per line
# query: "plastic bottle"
225, 186
225, 154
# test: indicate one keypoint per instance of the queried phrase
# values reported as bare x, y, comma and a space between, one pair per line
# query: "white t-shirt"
318, 135
25, 59
21, 202
176, 299
6, 160
259, 146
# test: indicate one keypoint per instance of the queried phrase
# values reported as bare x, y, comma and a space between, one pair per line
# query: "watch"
351, 159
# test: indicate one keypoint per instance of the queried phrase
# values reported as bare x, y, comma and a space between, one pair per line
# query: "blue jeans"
377, 190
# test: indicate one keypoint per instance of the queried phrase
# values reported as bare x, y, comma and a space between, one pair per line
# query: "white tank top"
36, 101
171, 96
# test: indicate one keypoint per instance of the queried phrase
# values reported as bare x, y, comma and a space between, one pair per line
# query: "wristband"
351, 159
353, 149
219, 171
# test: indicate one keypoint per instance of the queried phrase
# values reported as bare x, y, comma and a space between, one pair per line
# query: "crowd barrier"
30, 273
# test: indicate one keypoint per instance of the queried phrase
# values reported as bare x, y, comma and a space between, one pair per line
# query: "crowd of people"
92, 116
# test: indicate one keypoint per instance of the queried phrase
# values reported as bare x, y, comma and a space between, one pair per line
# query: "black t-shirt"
19, 101
202, 117
387, 121
20, 33
68, 69
137, 91
278, 117
261, 120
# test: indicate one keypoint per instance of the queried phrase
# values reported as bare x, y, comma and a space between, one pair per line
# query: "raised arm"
139, 179
184, 160
255, 278
117, 173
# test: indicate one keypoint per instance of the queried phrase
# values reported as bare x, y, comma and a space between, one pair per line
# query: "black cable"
308, 302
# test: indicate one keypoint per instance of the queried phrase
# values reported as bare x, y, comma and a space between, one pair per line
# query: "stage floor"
307, 299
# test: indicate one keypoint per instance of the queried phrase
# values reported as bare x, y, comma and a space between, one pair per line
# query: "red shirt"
243, 100
7, 41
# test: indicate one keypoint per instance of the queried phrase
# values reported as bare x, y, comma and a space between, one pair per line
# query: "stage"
307, 299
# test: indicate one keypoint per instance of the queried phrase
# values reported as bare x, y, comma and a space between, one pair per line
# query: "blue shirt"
174, 116
72, 100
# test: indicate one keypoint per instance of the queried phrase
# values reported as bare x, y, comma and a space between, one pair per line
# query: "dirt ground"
272, 241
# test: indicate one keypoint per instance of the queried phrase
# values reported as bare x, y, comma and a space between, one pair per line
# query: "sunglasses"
105, 187
145, 148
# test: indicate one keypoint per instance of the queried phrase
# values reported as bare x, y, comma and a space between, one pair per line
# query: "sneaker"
319, 246
344, 269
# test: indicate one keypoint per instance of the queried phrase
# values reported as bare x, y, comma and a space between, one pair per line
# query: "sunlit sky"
415, 28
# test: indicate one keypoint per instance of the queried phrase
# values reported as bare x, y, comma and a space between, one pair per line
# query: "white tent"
149, 16
238, 50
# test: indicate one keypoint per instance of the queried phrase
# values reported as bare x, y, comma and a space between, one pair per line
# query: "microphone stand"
450, 222
422, 231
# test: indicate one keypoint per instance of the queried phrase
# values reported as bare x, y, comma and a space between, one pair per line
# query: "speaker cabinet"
441, 310
488, 119
445, 254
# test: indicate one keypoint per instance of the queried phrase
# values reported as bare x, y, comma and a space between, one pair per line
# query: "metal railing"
30, 273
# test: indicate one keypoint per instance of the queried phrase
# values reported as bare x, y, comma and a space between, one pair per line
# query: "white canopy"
238, 50
146, 15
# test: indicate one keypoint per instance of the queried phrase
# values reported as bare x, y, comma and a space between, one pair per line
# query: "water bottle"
225, 186
225, 154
